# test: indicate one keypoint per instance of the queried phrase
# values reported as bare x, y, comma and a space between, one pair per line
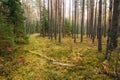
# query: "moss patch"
24, 65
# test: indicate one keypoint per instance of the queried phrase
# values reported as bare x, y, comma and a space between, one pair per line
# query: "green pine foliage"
68, 27
6, 37
44, 21
12, 28
16, 18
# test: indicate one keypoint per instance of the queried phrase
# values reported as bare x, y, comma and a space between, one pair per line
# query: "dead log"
53, 61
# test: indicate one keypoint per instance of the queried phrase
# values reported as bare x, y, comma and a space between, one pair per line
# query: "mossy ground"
24, 64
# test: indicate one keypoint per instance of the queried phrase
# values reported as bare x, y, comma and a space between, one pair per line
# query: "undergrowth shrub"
6, 37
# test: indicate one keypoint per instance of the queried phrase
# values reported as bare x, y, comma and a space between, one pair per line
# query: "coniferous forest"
59, 40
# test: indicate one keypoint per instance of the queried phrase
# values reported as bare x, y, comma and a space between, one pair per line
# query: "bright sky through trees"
67, 5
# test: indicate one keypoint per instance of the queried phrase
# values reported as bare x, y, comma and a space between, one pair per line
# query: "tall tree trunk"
114, 29
0, 9
99, 27
43, 27
87, 33
75, 21
109, 29
63, 20
82, 21
51, 29
92, 18
59, 19
72, 19
105, 18
49, 19
69, 10
95, 23
56, 20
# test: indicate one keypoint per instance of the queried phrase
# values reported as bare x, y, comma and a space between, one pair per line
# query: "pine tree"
6, 30
16, 18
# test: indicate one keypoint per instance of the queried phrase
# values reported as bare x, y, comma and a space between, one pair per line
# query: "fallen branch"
44, 57
63, 64
56, 62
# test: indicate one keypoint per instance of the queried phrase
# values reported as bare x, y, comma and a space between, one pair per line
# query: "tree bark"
114, 29
99, 27
82, 21
105, 19
48, 19
75, 21
109, 29
95, 23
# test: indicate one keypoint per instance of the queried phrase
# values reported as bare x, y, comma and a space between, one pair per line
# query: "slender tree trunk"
69, 10
51, 31
63, 19
72, 19
0, 9
95, 23
56, 18
87, 33
48, 19
43, 27
75, 22
92, 18
82, 21
59, 19
105, 19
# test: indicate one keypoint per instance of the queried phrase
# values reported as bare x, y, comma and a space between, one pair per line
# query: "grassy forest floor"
43, 59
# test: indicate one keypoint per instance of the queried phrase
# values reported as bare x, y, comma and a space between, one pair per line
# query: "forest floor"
43, 59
